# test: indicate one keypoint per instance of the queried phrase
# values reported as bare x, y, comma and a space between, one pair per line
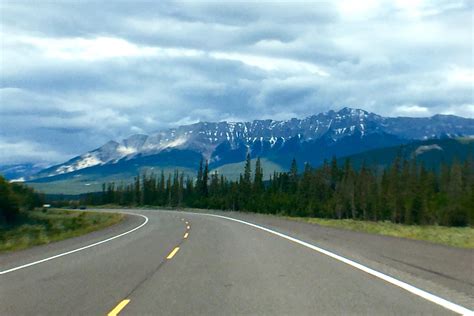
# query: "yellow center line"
118, 308
171, 255
186, 235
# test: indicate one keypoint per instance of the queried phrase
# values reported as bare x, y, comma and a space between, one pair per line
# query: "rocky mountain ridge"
223, 142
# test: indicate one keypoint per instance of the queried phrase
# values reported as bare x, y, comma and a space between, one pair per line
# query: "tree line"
404, 192
15, 197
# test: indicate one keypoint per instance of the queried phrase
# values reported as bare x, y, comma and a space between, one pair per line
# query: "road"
179, 263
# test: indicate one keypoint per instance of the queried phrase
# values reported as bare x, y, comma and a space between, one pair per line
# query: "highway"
182, 263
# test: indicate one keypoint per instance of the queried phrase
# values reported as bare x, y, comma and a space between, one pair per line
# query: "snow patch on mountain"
174, 143
88, 160
422, 149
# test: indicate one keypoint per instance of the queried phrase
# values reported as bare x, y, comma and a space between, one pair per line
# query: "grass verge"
37, 228
462, 237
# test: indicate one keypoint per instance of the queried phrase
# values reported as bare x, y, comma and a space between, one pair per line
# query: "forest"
15, 197
404, 192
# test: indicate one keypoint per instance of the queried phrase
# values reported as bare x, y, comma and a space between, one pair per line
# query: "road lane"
227, 268
222, 267
93, 281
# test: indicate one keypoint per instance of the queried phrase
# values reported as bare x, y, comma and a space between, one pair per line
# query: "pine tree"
394, 198
457, 215
199, 180
161, 199
363, 190
137, 193
468, 187
247, 171
9, 204
349, 188
334, 173
205, 180
258, 179
293, 176
168, 191
404, 192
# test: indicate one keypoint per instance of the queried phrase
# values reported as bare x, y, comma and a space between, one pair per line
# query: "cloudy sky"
77, 74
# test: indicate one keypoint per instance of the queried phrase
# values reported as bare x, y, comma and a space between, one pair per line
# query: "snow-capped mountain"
20, 172
346, 131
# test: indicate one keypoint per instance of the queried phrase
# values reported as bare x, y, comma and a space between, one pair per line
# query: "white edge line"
410, 288
79, 249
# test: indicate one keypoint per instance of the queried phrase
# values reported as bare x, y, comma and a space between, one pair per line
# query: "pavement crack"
151, 274
429, 270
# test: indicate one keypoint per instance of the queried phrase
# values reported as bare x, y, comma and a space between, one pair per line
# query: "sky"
76, 74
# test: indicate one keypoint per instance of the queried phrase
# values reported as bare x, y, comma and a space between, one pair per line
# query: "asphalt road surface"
179, 263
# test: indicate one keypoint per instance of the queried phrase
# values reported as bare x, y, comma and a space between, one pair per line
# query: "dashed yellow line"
118, 308
171, 255
124, 303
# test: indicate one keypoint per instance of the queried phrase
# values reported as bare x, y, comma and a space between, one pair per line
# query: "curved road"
193, 264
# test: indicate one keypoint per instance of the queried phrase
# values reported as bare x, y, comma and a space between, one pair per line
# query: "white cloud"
26, 151
416, 9
357, 10
98, 48
411, 110
273, 64
465, 110
87, 49
461, 76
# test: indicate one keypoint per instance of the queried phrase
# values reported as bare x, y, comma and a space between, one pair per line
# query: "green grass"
37, 227
462, 237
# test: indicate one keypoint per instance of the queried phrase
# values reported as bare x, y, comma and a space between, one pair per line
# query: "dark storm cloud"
75, 74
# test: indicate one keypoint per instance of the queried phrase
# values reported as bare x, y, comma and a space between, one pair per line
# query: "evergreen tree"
9, 206
247, 171
404, 192
137, 193
456, 214
199, 180
293, 176
205, 180
258, 179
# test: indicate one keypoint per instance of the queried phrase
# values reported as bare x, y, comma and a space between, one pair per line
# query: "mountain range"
315, 138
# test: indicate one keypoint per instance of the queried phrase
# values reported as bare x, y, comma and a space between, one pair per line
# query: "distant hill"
431, 153
20, 172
